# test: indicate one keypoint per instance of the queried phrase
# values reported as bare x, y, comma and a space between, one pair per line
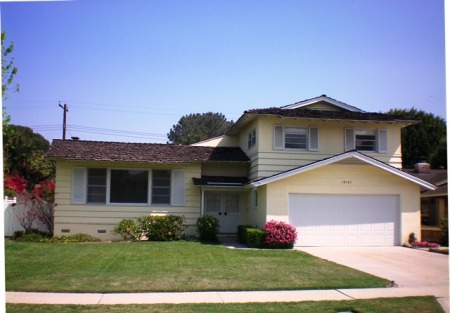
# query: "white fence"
13, 213
11, 221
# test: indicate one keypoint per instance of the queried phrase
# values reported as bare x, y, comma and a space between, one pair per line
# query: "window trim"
79, 188
312, 138
251, 139
381, 140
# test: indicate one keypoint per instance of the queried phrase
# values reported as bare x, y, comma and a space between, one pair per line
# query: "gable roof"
299, 110
321, 98
340, 157
80, 150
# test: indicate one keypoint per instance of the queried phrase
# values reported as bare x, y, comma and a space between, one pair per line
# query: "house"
328, 168
434, 203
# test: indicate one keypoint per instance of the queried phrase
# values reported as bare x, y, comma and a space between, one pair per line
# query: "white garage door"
345, 220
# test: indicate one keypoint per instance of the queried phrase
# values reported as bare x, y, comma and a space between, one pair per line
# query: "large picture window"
129, 186
161, 187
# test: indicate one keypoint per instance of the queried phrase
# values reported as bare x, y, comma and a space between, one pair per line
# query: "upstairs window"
366, 140
300, 138
251, 139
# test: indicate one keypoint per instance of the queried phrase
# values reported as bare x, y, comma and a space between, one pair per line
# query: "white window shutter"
313, 138
79, 186
278, 140
349, 139
178, 188
382, 141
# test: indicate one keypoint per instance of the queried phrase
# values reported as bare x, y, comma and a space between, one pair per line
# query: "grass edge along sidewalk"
399, 305
170, 267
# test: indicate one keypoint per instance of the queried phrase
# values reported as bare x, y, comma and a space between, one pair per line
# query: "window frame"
80, 187
251, 139
380, 142
311, 138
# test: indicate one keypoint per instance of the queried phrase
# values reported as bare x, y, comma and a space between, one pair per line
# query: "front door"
225, 207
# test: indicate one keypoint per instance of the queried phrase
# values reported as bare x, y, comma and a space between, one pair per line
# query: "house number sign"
346, 182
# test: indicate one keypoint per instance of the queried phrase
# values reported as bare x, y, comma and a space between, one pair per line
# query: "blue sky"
129, 70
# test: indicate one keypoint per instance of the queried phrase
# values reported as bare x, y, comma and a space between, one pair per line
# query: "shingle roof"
81, 150
334, 115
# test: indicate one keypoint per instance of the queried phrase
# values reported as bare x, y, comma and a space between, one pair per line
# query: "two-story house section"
326, 167
331, 170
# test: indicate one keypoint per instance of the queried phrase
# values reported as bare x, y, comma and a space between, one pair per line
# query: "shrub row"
152, 227
275, 235
40, 237
208, 228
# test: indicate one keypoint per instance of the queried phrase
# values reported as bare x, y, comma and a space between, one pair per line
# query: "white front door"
225, 206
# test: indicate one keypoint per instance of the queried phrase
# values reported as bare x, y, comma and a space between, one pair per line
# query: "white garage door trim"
345, 220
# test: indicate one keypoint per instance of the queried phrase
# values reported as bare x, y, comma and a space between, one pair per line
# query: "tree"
197, 127
24, 154
9, 71
426, 139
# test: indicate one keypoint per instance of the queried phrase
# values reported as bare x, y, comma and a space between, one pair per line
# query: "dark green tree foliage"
24, 154
197, 127
426, 139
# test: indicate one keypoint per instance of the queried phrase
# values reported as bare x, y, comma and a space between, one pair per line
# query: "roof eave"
341, 157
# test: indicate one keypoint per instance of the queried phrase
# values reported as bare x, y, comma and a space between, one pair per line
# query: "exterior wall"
267, 161
233, 170
257, 214
347, 179
88, 218
222, 141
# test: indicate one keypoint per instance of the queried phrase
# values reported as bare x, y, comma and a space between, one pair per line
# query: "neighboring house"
434, 203
328, 168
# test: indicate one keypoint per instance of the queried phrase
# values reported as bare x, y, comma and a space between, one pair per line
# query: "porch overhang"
206, 182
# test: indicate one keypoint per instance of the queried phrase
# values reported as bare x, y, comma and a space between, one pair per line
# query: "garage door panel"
345, 220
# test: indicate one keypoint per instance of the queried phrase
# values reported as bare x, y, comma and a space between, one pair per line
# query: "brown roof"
437, 177
334, 115
80, 150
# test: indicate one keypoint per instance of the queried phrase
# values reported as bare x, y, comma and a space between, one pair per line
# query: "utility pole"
66, 109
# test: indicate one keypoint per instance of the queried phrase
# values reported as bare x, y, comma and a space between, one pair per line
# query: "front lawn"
170, 266
383, 305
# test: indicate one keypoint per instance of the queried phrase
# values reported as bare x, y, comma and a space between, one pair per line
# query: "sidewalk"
220, 296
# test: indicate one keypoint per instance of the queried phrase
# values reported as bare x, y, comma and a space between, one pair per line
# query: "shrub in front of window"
162, 228
279, 235
208, 228
129, 229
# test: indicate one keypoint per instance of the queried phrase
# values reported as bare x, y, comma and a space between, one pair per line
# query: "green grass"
382, 305
170, 267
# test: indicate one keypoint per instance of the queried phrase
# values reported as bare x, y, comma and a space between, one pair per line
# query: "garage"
345, 220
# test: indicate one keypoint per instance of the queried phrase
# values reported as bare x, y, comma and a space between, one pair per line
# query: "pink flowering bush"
425, 244
279, 235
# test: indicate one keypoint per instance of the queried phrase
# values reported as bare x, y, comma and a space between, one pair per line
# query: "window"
251, 139
301, 138
365, 140
96, 185
295, 138
133, 186
161, 187
129, 186
368, 140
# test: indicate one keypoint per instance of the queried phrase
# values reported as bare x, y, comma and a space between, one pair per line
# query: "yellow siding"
347, 179
92, 218
267, 161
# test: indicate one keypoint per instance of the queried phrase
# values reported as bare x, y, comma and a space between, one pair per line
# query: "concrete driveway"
408, 268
